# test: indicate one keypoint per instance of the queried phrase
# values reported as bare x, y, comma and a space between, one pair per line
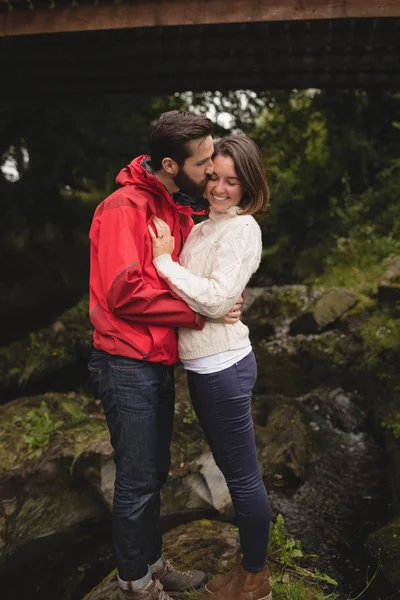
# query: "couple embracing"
163, 289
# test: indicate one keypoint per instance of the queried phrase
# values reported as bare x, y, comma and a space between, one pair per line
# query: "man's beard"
188, 186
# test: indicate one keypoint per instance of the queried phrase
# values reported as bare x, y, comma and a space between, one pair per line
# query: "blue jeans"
222, 402
138, 399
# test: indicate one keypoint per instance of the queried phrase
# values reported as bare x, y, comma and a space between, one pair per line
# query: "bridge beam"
148, 13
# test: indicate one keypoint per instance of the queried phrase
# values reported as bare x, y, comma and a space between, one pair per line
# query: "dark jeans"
222, 402
138, 399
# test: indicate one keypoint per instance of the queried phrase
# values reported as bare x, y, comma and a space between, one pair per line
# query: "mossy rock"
44, 440
328, 358
284, 445
386, 543
389, 282
324, 311
66, 342
210, 546
48, 427
272, 307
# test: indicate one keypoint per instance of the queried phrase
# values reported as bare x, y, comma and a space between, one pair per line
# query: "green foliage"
38, 427
298, 590
392, 422
355, 261
332, 162
74, 410
380, 334
287, 550
41, 349
287, 554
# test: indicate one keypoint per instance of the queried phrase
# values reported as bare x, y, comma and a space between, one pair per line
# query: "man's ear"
170, 166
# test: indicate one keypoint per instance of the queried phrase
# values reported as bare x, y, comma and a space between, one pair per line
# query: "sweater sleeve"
237, 257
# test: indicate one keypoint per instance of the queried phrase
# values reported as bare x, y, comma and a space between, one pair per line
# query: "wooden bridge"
69, 46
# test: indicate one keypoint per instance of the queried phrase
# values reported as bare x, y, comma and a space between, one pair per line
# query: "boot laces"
169, 567
162, 595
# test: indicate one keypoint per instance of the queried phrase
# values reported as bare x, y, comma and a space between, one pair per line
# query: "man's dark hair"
169, 134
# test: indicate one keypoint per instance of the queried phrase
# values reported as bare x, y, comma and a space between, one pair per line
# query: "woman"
217, 261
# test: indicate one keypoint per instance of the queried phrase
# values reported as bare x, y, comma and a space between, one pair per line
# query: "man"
134, 315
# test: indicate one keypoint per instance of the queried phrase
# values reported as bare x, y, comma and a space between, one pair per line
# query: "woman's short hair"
169, 134
249, 166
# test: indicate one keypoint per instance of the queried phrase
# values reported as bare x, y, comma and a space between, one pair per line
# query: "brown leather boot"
214, 585
177, 582
246, 586
152, 591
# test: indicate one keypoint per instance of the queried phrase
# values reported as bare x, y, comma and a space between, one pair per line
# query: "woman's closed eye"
231, 182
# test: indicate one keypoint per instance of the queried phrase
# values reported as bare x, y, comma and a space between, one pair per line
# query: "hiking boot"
152, 591
246, 586
214, 585
176, 582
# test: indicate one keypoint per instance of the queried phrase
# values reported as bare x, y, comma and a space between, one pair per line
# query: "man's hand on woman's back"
233, 316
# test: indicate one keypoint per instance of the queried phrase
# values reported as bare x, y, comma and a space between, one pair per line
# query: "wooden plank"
151, 13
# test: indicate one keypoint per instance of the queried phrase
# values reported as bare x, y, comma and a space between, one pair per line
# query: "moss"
48, 349
380, 333
82, 426
386, 543
275, 305
331, 350
297, 590
202, 544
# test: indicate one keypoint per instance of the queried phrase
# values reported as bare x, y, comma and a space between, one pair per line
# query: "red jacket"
132, 310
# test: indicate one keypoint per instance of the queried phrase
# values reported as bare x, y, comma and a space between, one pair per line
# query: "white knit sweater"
217, 261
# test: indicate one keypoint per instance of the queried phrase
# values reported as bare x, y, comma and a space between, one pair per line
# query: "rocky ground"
326, 412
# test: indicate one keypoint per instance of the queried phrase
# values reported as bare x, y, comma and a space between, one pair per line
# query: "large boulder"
43, 441
324, 311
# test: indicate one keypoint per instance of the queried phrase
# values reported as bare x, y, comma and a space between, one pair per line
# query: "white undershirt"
215, 362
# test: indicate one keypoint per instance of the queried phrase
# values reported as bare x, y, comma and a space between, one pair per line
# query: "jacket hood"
138, 173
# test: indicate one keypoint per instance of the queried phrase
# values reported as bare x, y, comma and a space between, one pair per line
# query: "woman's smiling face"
223, 189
